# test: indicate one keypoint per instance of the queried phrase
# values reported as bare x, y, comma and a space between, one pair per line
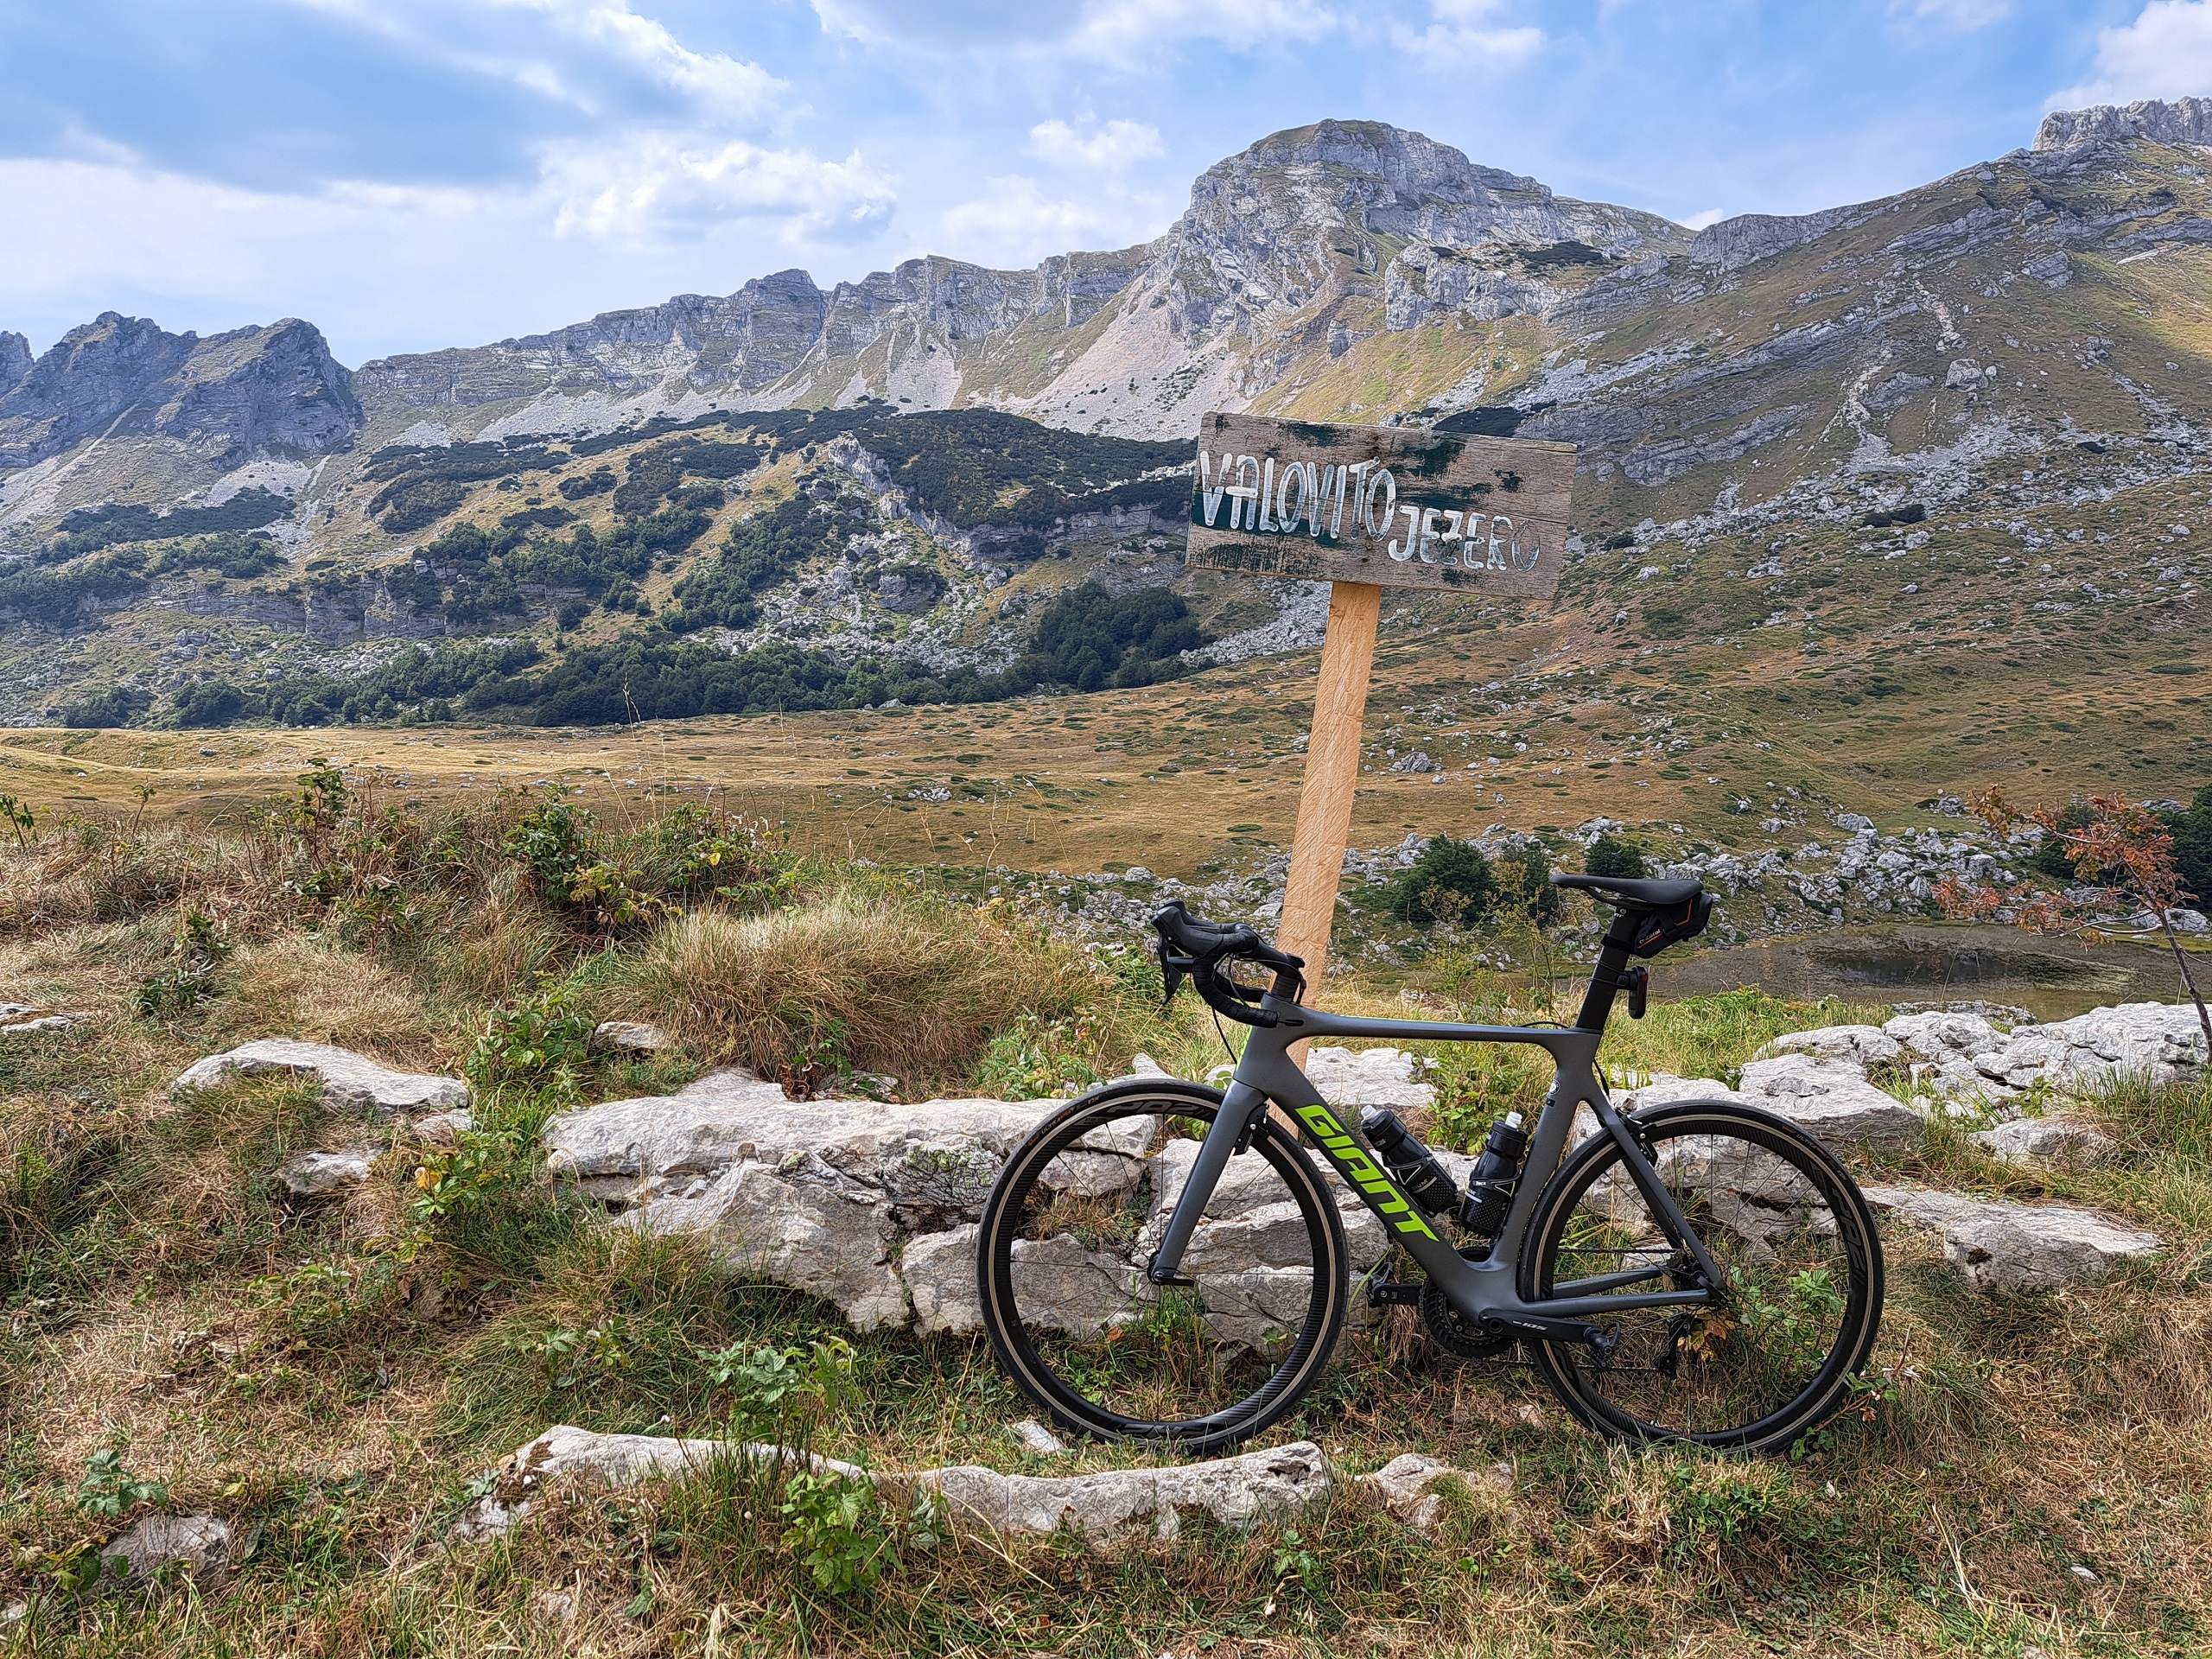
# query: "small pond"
1936, 962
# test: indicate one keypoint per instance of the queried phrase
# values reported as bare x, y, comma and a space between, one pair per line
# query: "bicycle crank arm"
1535, 1324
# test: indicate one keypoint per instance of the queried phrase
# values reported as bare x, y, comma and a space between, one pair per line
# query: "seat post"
1605, 978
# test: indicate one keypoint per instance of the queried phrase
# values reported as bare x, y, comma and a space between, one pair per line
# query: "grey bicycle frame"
1486, 1293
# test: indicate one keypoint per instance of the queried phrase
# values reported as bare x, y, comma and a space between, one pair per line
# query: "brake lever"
1172, 971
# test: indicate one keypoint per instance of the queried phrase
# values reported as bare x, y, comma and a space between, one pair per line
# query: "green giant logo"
1361, 1170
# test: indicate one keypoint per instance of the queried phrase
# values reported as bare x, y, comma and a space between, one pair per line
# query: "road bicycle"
1162, 1262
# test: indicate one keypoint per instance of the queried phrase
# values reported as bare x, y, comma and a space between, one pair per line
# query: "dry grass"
903, 983
330, 1391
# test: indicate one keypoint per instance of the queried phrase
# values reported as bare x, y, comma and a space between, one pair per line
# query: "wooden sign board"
1365, 508
1394, 506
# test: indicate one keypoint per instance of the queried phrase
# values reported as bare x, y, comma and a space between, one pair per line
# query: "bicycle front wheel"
1069, 1228
1795, 1243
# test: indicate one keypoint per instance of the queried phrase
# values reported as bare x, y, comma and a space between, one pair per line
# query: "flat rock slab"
2016, 1246
1102, 1508
29, 1020
1833, 1098
613, 1461
2045, 1140
637, 1036
348, 1079
315, 1174
198, 1546
1406, 1486
1117, 1504
1371, 1077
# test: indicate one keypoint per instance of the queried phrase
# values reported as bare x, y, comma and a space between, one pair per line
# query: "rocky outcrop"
14, 360
273, 391
2045, 1140
2184, 121
873, 1206
1962, 1055
2016, 1246
348, 1080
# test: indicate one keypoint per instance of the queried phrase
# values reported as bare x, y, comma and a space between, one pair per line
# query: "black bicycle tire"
1831, 1387
1309, 1354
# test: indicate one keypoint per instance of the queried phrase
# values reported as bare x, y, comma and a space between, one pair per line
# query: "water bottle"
1411, 1164
1490, 1185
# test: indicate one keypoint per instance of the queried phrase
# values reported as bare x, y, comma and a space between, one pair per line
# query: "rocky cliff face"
248, 394
2184, 121
14, 360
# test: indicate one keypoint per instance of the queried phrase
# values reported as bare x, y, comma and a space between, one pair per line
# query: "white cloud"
2165, 53
1108, 31
1461, 34
1018, 223
651, 186
1953, 13
1113, 148
564, 49
1710, 216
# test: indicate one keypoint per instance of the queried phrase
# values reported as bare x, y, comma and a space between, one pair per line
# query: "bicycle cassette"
1459, 1337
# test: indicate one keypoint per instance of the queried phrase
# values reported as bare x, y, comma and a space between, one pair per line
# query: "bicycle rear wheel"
1069, 1228
1796, 1245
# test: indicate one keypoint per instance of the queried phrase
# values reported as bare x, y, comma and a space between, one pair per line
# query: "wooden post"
1317, 848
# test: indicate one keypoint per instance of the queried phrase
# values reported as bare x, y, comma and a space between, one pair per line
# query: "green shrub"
1450, 884
1615, 855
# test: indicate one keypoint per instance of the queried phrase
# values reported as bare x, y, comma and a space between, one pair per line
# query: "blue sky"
412, 174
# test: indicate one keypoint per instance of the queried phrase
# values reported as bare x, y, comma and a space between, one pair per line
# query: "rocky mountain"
2030, 330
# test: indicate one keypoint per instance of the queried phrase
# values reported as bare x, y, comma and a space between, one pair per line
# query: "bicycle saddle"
1633, 893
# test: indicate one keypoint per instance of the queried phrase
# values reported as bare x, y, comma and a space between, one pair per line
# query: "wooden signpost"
1366, 508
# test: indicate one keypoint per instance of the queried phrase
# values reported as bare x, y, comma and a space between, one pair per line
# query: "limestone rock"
1664, 1089
613, 1461
1832, 1099
2162, 1042
2045, 1140
1859, 1045
2183, 121
637, 1036
2019, 1247
443, 1129
198, 1545
1940, 1037
1373, 1077
28, 1019
313, 1174
348, 1079
940, 1269
940, 1155
1405, 1486
802, 1231
1111, 1504
1102, 1508
1035, 1437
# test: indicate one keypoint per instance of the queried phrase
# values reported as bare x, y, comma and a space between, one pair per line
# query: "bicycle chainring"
1459, 1337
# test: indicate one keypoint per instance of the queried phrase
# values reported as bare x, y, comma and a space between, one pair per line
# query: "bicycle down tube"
1485, 1291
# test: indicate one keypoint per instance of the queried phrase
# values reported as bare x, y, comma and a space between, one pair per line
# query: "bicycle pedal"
1385, 1291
